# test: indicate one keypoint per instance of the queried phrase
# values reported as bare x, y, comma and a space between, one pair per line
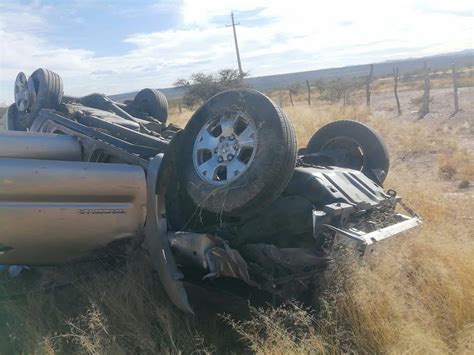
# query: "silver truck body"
54, 211
88, 174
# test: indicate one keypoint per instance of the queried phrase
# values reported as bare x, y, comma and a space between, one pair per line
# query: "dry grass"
415, 296
288, 329
98, 309
438, 81
457, 163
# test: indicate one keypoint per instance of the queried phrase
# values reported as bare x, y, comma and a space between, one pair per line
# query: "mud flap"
156, 238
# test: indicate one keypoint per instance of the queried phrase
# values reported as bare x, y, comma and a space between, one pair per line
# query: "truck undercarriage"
226, 198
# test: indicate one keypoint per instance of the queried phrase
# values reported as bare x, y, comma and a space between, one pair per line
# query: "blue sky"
120, 46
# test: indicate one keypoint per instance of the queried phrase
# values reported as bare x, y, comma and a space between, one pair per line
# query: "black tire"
335, 139
153, 103
48, 88
14, 120
181, 212
270, 170
6, 122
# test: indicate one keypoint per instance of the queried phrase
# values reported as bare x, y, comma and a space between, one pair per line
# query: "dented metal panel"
326, 185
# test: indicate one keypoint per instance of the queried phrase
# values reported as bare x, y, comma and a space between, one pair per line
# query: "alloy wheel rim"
225, 148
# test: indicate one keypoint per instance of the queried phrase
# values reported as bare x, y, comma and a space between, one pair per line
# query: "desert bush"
406, 77
287, 329
200, 87
417, 101
340, 89
456, 163
466, 81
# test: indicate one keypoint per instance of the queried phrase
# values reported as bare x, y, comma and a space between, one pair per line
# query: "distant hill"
409, 65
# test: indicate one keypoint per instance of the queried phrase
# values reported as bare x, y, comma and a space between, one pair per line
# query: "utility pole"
241, 72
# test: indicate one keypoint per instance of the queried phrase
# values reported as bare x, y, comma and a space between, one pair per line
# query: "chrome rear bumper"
366, 242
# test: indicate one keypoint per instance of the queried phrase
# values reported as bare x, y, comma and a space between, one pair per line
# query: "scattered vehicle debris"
227, 199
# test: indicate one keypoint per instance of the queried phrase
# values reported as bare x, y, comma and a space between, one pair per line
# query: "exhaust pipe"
28, 145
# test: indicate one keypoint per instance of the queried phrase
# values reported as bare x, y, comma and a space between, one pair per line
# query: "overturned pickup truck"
227, 199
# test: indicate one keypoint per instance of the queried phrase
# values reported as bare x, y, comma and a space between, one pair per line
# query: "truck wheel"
238, 153
43, 90
14, 120
153, 103
48, 88
353, 145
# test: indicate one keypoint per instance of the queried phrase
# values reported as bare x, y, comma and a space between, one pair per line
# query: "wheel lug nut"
221, 138
216, 150
236, 146
230, 157
220, 159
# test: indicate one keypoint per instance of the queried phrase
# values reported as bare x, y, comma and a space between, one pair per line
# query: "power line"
241, 72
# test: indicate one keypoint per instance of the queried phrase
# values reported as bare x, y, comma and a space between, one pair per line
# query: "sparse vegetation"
416, 295
457, 163
199, 87
95, 309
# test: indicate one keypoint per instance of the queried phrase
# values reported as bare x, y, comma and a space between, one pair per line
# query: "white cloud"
292, 36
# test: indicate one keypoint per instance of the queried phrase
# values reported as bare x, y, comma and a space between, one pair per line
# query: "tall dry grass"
95, 309
416, 295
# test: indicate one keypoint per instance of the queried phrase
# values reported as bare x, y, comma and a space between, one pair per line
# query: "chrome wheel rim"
24, 93
225, 148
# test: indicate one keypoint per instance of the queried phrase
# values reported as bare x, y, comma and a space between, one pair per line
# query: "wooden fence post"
425, 106
309, 92
291, 98
395, 90
455, 88
367, 84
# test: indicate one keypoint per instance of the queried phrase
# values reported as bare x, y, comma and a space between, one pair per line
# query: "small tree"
341, 89
320, 85
200, 87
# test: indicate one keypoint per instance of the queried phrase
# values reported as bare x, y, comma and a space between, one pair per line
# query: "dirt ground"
441, 109
441, 106
439, 122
